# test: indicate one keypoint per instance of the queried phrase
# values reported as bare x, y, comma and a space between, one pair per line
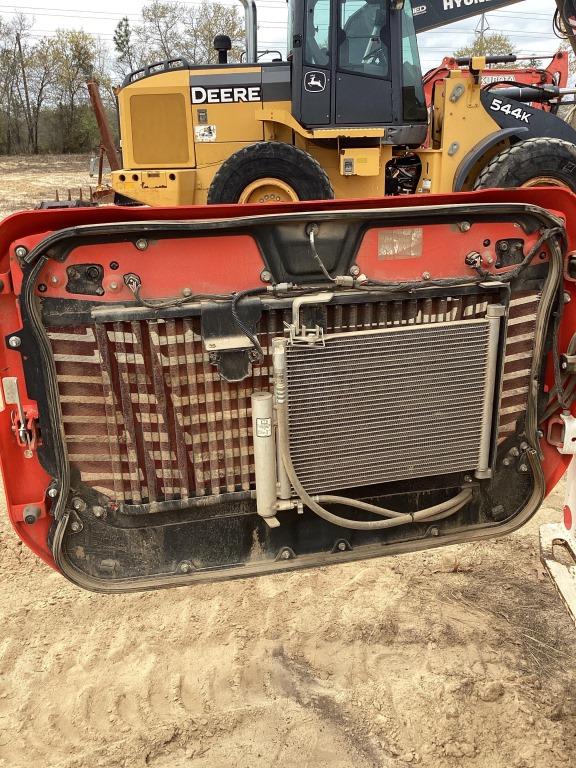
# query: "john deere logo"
315, 82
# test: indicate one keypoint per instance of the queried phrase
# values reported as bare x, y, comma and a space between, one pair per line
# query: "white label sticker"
205, 133
263, 427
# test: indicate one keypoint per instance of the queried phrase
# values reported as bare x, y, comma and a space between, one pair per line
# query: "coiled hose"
394, 519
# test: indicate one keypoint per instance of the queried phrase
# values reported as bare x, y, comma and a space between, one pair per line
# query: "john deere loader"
344, 116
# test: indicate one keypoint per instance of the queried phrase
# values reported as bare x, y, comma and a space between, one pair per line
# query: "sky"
527, 23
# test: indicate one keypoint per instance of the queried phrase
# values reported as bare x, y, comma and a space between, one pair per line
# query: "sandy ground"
25, 181
463, 657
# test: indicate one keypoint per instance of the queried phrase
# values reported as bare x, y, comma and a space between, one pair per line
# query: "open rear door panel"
210, 393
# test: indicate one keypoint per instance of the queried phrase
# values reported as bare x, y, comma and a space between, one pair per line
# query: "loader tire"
532, 163
269, 172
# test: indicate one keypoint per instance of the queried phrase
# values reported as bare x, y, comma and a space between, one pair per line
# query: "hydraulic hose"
395, 519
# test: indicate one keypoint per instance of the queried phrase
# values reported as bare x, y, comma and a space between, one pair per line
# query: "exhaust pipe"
251, 31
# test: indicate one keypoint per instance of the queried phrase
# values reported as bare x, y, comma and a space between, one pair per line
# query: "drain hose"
394, 519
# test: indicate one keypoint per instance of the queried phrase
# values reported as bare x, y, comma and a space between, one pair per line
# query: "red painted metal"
226, 268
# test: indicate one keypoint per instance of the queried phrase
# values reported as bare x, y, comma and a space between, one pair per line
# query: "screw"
465, 226
265, 276
53, 492
342, 546
524, 446
79, 504
514, 452
285, 555
141, 244
524, 468
98, 511
185, 567
76, 526
355, 270
14, 342
426, 276
506, 462
434, 531
21, 251
186, 292
31, 514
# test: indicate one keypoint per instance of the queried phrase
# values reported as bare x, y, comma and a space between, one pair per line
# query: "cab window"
413, 90
364, 37
318, 33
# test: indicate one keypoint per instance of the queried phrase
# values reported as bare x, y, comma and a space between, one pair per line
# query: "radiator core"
379, 406
146, 417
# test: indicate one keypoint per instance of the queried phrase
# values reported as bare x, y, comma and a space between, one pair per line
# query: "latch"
24, 422
562, 434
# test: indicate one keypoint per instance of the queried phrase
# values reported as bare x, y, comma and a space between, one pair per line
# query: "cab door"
364, 63
316, 84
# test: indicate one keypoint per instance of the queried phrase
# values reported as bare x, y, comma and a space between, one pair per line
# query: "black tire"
270, 159
530, 160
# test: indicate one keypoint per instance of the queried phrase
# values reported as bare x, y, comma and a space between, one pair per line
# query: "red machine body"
233, 251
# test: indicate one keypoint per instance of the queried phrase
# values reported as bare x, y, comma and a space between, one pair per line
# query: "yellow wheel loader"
345, 116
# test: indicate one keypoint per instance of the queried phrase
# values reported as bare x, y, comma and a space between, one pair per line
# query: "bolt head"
21, 251
342, 546
426, 276
524, 468
186, 292
53, 493
76, 527
79, 505
567, 298
98, 511
14, 342
465, 226
285, 555
185, 567
265, 276
506, 462
355, 270
141, 244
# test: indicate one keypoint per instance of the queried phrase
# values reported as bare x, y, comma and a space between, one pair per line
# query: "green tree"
488, 44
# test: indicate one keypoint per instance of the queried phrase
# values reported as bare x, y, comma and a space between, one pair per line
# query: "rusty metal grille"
147, 419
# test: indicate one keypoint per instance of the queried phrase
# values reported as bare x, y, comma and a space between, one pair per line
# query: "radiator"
380, 406
146, 417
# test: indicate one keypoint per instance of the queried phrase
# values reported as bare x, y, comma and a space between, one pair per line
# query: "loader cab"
356, 63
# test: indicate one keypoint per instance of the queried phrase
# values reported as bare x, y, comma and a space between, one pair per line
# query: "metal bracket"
24, 422
562, 434
298, 333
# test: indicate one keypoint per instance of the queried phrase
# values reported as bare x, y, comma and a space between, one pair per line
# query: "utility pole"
481, 30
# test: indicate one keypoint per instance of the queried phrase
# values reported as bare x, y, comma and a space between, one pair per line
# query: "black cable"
238, 297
